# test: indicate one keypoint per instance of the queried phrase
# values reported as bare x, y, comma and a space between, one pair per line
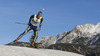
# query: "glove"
29, 24
31, 39
39, 29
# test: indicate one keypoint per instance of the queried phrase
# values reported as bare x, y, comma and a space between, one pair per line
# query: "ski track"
24, 51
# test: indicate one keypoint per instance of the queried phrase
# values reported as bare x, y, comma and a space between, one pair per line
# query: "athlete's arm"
30, 19
40, 24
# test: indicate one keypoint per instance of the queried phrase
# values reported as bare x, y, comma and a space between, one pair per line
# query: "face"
38, 16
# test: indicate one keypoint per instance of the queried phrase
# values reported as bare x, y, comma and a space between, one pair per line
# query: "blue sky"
59, 16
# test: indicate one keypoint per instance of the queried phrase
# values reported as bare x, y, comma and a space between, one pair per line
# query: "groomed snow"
24, 51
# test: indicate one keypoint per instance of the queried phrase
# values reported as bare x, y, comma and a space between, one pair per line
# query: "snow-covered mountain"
81, 34
24, 51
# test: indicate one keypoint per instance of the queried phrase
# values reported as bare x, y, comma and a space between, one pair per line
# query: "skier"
32, 25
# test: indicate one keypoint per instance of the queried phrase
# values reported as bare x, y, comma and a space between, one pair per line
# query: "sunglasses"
39, 13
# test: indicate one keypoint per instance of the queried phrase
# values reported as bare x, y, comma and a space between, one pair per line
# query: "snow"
89, 28
24, 51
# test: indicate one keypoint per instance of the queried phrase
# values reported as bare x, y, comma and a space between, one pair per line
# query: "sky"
59, 16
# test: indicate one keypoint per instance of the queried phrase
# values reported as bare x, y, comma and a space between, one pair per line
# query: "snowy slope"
24, 51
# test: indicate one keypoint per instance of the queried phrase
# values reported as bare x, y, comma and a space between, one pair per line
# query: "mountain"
83, 39
86, 34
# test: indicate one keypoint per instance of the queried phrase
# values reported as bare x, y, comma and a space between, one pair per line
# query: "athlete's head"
39, 14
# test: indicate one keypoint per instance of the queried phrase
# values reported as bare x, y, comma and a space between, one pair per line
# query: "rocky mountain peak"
87, 33
87, 28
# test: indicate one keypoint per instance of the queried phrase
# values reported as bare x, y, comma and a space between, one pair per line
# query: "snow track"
24, 51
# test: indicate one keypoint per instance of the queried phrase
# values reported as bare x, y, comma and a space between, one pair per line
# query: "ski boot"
14, 41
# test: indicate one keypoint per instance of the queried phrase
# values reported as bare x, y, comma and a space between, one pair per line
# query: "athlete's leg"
25, 32
35, 35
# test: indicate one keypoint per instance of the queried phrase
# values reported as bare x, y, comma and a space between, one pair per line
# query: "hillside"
24, 51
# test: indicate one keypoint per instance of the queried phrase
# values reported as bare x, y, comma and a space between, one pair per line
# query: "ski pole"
20, 23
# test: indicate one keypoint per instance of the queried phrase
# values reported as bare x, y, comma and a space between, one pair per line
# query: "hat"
39, 13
